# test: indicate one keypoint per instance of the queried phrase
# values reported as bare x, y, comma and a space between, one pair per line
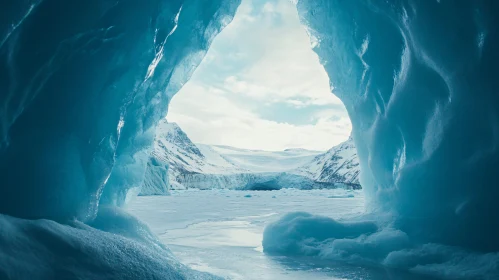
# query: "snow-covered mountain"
173, 148
205, 166
339, 164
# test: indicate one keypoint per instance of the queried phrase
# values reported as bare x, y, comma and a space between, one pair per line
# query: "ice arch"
83, 83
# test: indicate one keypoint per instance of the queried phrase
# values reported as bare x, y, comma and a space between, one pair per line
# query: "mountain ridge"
190, 165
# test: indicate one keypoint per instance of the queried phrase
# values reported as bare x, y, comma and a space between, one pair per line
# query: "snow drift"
83, 84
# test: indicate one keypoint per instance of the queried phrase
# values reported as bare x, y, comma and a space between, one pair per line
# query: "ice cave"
84, 83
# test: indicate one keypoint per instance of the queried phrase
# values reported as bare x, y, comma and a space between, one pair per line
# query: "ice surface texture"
361, 241
419, 81
294, 230
83, 84
205, 167
115, 246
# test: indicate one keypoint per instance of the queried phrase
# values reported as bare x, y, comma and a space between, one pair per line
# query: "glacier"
84, 83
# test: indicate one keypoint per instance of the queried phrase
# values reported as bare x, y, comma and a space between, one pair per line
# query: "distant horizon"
261, 87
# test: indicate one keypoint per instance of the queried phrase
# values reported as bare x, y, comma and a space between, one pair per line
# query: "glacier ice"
419, 82
83, 84
156, 180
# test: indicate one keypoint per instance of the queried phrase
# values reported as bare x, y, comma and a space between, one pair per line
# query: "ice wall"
82, 85
420, 82
156, 179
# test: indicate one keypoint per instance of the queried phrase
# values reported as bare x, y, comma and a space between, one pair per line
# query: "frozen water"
221, 231
205, 167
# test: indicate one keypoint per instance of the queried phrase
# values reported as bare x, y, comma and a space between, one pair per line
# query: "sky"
261, 86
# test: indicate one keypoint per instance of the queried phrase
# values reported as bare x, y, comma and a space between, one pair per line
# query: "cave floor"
220, 231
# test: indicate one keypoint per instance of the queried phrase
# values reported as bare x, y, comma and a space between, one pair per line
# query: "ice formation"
114, 246
418, 81
83, 84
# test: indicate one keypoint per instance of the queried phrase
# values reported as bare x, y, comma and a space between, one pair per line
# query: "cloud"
263, 58
210, 117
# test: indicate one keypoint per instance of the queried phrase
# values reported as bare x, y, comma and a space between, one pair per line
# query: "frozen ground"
220, 231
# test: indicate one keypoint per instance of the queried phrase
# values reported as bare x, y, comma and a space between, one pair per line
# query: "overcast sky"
261, 86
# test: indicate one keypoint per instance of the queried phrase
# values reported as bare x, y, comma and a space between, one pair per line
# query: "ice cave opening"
84, 83
255, 133
258, 103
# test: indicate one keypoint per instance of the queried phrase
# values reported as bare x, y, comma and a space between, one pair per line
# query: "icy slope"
174, 146
339, 164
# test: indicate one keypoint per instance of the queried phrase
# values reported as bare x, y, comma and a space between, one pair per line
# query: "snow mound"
342, 196
363, 242
299, 233
115, 246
